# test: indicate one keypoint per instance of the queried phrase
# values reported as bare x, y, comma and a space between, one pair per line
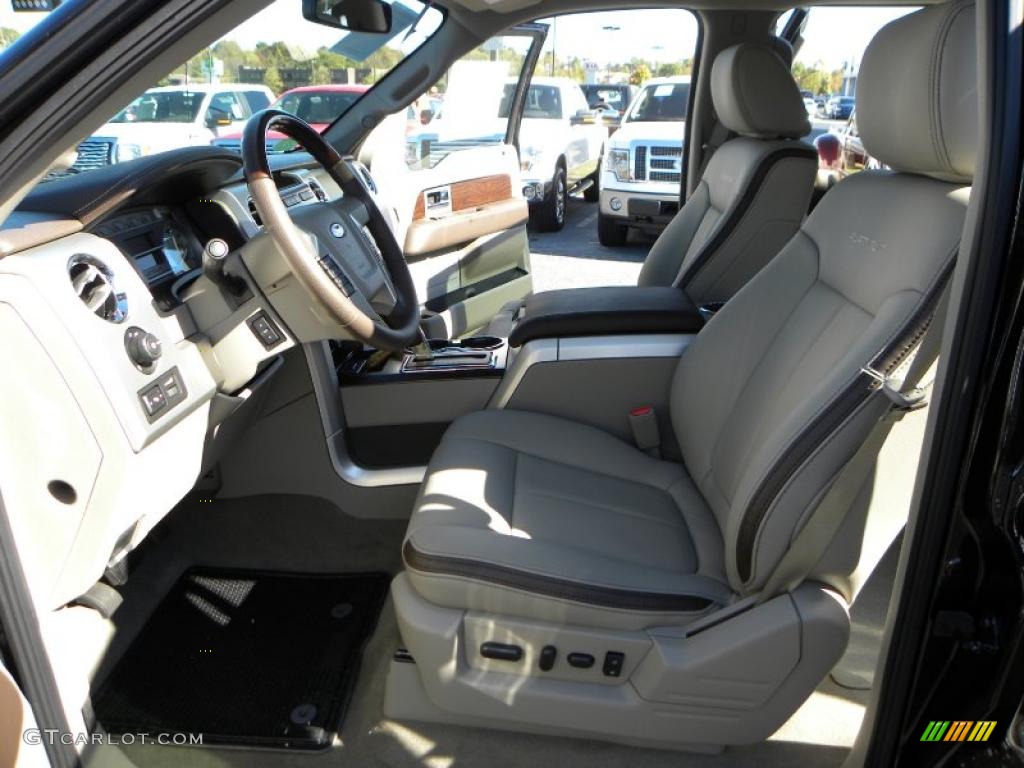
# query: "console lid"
604, 311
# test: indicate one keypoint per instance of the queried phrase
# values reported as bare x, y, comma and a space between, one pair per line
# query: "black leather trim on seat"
563, 589
859, 389
739, 209
606, 310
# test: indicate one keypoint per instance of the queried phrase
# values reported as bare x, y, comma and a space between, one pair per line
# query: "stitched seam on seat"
565, 463
603, 508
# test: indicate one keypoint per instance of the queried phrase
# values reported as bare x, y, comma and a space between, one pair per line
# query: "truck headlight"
127, 150
617, 161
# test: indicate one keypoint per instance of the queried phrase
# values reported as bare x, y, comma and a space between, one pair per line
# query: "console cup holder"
482, 342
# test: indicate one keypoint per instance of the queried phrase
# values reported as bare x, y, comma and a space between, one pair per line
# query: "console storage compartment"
605, 311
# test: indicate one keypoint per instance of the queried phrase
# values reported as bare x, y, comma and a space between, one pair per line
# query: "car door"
454, 185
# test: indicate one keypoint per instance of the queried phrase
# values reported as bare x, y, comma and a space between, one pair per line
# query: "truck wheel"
551, 212
610, 232
593, 193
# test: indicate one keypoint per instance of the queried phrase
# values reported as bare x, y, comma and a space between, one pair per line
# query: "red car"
318, 105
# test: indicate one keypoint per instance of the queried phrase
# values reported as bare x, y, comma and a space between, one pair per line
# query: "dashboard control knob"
216, 249
143, 348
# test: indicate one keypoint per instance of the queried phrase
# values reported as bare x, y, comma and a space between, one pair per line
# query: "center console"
590, 354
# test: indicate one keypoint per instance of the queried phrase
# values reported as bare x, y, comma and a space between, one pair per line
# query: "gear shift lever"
422, 351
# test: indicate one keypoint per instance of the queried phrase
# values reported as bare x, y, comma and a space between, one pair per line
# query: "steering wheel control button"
580, 660
339, 278
265, 329
143, 348
337, 230
156, 399
548, 655
613, 663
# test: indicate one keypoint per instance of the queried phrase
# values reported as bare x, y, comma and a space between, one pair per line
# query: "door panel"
458, 196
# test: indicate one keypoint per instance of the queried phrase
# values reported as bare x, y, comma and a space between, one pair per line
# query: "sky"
833, 36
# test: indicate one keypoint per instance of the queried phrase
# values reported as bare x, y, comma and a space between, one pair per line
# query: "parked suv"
169, 117
642, 166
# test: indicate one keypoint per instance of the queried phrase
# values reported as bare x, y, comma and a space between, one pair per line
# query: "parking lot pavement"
573, 258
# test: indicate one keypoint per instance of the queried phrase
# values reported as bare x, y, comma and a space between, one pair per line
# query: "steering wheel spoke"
338, 228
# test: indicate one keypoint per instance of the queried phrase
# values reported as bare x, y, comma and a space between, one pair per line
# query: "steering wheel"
342, 251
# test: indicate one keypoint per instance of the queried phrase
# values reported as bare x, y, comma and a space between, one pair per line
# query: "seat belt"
820, 529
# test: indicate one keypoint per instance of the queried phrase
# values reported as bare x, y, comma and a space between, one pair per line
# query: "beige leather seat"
532, 532
751, 197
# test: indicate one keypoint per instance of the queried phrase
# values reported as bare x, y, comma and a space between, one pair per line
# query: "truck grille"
94, 153
658, 163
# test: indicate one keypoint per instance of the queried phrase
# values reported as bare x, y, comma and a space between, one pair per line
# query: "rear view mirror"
373, 16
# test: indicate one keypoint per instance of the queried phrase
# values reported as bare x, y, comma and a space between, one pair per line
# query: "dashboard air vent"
93, 283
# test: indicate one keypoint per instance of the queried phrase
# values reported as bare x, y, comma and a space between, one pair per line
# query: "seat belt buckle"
643, 422
903, 401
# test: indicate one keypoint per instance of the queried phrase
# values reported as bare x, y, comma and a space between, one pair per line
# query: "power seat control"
143, 348
501, 651
548, 655
580, 660
263, 326
613, 663
156, 399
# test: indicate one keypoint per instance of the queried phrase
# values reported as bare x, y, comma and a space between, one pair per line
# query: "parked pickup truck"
642, 166
560, 138
169, 117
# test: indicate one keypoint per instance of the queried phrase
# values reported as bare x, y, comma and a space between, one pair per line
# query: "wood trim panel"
471, 193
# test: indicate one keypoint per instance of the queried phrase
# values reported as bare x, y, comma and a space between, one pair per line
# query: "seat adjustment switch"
580, 660
613, 661
548, 654
501, 651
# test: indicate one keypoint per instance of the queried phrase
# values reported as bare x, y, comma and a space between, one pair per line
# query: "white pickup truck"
560, 137
560, 146
642, 166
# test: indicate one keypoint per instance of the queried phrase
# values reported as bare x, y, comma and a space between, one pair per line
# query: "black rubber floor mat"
265, 659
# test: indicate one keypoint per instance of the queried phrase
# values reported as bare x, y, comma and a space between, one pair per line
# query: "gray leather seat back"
770, 400
755, 190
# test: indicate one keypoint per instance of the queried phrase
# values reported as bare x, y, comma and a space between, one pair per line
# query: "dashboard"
128, 362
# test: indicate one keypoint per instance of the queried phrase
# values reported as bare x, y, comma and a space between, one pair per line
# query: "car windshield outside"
316, 107
660, 102
543, 102
160, 106
614, 96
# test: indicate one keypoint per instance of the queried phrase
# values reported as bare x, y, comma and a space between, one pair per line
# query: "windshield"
317, 107
616, 97
162, 107
311, 70
661, 102
543, 102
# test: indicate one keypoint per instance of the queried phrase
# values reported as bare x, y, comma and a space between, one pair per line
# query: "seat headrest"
917, 99
755, 94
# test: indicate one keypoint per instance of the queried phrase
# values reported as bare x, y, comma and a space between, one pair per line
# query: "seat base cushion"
530, 515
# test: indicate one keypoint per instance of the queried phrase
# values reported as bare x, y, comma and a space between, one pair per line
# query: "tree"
641, 74
8, 37
272, 79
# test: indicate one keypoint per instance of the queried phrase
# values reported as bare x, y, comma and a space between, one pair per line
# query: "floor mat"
241, 657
